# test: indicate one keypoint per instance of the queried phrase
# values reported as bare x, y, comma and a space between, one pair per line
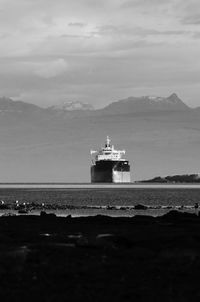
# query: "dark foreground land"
48, 258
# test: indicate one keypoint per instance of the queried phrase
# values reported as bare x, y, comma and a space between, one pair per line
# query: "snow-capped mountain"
146, 104
172, 99
72, 105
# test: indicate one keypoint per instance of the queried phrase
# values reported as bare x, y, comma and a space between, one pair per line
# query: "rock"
113, 241
45, 215
140, 207
176, 215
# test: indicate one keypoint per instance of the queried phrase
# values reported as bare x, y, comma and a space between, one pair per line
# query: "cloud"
44, 69
50, 69
189, 13
106, 45
137, 31
192, 20
77, 24
144, 3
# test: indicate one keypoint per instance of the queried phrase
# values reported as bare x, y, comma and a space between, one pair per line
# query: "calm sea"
84, 200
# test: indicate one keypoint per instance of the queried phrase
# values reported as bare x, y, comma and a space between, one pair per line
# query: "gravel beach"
49, 258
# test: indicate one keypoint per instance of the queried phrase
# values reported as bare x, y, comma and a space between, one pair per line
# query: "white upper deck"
108, 152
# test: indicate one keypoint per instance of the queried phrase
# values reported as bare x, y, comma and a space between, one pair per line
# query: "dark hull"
110, 172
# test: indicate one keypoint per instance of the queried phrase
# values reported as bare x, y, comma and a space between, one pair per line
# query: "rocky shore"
31, 207
49, 258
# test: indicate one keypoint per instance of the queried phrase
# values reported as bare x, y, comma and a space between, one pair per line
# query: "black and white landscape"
73, 72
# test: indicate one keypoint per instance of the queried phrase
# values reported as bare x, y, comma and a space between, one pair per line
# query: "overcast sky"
99, 51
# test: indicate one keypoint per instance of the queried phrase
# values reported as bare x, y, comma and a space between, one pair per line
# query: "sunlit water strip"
97, 186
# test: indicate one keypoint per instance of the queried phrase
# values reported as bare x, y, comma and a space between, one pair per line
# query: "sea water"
86, 200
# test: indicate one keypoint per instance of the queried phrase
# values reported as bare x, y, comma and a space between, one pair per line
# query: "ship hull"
110, 172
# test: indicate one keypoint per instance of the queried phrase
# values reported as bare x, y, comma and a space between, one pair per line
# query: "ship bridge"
108, 152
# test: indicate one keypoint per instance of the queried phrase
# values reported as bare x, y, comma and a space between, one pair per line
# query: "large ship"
109, 166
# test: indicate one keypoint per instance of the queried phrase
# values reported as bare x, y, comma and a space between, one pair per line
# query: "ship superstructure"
109, 165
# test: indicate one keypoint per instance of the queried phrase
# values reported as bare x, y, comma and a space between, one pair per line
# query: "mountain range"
160, 134
72, 106
125, 106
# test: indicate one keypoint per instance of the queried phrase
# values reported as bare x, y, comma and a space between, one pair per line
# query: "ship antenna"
108, 141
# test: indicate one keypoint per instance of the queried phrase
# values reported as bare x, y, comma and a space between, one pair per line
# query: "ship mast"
107, 142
